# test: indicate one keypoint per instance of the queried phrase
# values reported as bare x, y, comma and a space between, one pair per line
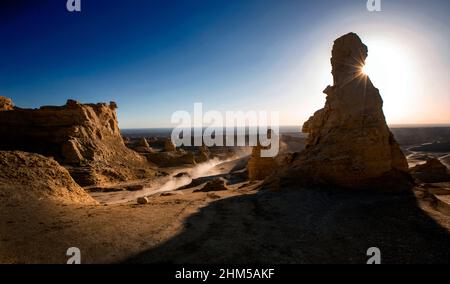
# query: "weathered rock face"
349, 142
83, 137
432, 171
6, 104
27, 177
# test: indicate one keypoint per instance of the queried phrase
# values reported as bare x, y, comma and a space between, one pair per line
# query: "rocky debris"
169, 146
85, 138
142, 200
6, 104
135, 187
28, 176
217, 184
432, 171
259, 167
349, 143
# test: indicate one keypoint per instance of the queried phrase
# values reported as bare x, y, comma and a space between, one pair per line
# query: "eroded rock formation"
169, 146
142, 146
27, 177
6, 104
259, 167
349, 143
85, 138
203, 154
432, 171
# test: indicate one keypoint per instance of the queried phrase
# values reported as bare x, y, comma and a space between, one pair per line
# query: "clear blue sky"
156, 57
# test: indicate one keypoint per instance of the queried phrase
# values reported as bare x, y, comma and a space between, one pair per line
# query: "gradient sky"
156, 57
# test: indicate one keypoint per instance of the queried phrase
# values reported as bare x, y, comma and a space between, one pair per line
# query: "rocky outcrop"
432, 171
217, 184
169, 146
142, 146
259, 168
349, 143
28, 177
203, 154
83, 137
6, 104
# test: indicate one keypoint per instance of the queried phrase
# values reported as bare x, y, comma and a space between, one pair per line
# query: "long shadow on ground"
306, 226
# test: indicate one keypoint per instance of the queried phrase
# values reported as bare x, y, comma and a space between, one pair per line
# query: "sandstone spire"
349, 143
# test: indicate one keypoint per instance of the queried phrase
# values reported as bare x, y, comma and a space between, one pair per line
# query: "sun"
390, 69
364, 70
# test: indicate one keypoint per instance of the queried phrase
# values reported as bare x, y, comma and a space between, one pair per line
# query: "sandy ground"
244, 224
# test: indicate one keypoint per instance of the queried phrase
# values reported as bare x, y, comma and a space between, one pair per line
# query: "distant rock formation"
27, 177
142, 146
259, 167
349, 143
432, 171
6, 104
203, 154
169, 146
83, 137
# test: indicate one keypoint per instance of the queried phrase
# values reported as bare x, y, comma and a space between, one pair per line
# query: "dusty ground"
245, 224
42, 232
236, 226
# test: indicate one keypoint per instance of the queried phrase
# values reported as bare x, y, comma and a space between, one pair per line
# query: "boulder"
142, 200
217, 184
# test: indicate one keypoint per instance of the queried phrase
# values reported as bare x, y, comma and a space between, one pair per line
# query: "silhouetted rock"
349, 142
